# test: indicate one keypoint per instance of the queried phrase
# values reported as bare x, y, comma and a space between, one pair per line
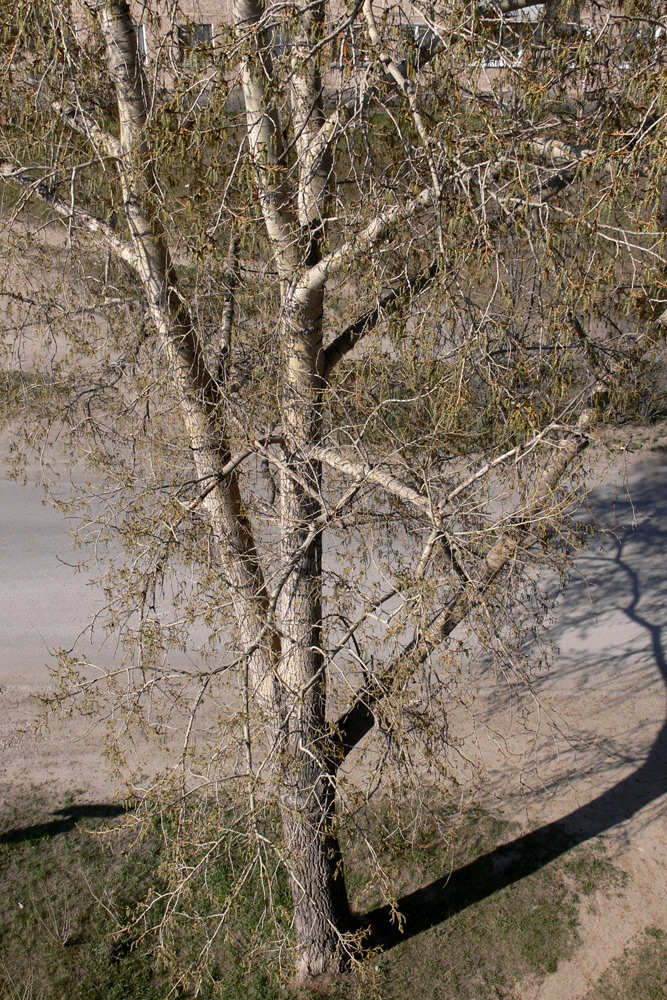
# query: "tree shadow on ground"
70, 817
640, 600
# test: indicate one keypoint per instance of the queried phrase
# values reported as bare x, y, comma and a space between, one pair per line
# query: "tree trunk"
307, 789
321, 909
308, 792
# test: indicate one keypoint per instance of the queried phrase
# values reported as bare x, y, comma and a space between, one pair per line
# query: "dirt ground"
591, 750
588, 749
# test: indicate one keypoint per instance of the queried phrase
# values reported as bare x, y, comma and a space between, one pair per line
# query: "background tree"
330, 307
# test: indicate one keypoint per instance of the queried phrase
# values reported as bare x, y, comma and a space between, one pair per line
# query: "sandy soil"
590, 751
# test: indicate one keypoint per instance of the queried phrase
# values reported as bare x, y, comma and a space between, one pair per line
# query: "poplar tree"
330, 299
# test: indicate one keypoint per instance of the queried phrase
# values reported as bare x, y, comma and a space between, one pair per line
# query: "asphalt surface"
45, 604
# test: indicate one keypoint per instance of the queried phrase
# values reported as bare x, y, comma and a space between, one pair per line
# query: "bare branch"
224, 342
265, 135
359, 719
364, 472
561, 154
376, 230
508, 6
83, 123
350, 337
407, 87
77, 217
361, 472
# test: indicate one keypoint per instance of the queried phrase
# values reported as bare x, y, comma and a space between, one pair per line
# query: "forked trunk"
307, 786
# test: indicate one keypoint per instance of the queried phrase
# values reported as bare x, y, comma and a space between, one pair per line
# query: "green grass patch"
66, 887
69, 886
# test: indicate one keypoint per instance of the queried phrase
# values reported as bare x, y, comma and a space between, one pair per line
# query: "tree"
332, 307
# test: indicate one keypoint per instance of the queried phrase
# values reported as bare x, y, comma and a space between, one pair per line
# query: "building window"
191, 39
420, 43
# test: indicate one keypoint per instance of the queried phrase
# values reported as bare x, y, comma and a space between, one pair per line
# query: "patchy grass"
641, 972
65, 889
68, 886
484, 949
590, 869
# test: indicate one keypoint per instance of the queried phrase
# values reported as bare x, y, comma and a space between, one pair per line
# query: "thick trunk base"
322, 919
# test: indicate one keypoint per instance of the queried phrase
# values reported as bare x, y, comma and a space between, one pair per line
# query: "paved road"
44, 603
